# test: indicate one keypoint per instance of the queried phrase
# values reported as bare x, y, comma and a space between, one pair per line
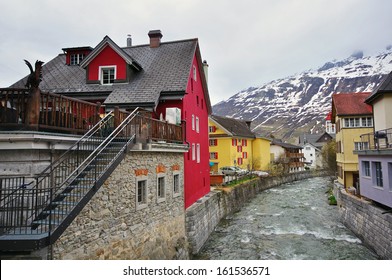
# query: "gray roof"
235, 127
164, 69
279, 142
384, 87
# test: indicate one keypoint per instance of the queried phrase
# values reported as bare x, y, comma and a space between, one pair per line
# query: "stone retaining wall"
369, 222
111, 226
203, 216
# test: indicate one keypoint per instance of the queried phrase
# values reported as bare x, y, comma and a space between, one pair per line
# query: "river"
291, 222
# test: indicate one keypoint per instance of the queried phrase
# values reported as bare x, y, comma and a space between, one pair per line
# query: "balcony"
379, 142
61, 114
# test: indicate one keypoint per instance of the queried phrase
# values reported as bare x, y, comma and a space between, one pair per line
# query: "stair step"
46, 222
67, 203
55, 212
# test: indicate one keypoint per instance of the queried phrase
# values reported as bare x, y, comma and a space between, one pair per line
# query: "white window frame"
197, 124
193, 151
76, 58
194, 73
198, 153
161, 178
366, 168
193, 122
144, 204
100, 74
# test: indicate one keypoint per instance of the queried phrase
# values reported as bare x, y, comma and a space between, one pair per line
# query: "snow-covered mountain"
299, 103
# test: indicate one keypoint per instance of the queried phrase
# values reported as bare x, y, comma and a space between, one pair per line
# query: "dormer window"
75, 59
107, 74
74, 56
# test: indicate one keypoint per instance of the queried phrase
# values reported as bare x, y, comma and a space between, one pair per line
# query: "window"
358, 146
234, 142
239, 161
193, 152
378, 174
245, 155
239, 149
197, 153
193, 122
107, 75
358, 122
75, 59
161, 194
141, 197
176, 184
307, 148
194, 73
214, 155
211, 129
197, 124
366, 168
213, 142
367, 122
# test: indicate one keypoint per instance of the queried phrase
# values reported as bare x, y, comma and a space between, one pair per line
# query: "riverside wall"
112, 225
372, 224
204, 215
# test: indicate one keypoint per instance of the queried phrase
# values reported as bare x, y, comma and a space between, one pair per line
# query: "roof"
279, 142
315, 138
383, 88
163, 69
350, 104
234, 127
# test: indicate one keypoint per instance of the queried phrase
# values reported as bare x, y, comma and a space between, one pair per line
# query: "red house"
161, 77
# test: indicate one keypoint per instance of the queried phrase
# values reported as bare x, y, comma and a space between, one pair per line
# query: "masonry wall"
204, 215
111, 227
369, 222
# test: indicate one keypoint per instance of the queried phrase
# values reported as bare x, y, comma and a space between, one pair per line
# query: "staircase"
35, 211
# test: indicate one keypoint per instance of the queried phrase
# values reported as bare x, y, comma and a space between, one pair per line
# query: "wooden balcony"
57, 113
63, 114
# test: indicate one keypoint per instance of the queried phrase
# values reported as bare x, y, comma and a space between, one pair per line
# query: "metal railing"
379, 140
42, 206
21, 198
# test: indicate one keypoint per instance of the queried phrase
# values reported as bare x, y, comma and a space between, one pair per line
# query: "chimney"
129, 41
205, 68
155, 38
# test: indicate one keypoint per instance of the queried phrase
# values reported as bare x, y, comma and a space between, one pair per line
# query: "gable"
107, 58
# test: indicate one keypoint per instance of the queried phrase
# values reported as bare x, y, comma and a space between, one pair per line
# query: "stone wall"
111, 226
203, 216
368, 221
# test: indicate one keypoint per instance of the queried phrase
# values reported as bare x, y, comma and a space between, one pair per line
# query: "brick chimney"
155, 38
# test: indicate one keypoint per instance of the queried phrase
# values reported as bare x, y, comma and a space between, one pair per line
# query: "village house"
131, 176
375, 151
352, 118
232, 143
289, 155
312, 145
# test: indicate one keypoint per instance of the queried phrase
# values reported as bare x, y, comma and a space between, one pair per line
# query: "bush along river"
291, 222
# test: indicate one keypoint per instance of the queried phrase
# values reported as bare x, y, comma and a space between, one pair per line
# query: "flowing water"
293, 221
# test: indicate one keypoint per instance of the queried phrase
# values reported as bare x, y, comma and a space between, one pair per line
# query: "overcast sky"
245, 42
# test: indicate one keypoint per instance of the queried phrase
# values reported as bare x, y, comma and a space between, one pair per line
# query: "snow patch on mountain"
299, 103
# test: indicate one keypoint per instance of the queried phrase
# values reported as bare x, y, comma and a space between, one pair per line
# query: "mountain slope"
299, 103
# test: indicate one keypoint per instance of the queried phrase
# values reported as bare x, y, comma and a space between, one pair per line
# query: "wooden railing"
57, 113
148, 129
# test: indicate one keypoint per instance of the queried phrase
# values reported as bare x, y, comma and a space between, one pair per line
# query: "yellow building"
232, 143
353, 118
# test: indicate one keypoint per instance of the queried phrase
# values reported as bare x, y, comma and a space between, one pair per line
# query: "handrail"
379, 140
84, 138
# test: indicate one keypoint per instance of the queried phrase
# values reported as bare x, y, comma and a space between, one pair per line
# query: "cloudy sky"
246, 42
